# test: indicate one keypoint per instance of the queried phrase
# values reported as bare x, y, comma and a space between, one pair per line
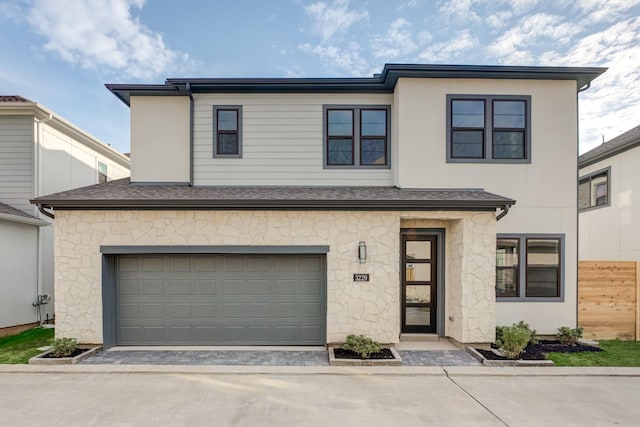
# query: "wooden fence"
608, 299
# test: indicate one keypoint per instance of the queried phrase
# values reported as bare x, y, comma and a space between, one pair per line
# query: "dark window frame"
588, 178
357, 136
489, 129
217, 132
523, 263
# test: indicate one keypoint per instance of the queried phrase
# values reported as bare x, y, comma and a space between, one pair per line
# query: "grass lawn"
616, 353
20, 348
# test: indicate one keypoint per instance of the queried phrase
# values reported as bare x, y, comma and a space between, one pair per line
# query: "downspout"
37, 187
45, 212
505, 211
188, 89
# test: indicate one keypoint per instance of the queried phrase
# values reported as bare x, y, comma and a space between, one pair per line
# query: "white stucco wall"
371, 308
545, 189
612, 233
18, 267
160, 131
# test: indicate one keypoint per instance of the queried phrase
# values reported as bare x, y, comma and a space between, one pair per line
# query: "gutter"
41, 208
505, 211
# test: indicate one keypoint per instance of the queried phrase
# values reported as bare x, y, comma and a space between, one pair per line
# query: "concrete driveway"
248, 396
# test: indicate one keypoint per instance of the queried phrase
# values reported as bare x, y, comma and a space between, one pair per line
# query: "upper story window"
102, 172
227, 125
593, 190
530, 267
356, 136
488, 128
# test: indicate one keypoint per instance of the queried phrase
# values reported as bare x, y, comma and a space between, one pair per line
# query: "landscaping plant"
361, 344
569, 336
512, 340
63, 347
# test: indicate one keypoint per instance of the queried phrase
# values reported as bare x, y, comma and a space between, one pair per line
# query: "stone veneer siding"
369, 308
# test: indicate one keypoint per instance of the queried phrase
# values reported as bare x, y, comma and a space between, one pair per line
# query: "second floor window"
356, 137
593, 190
227, 123
102, 173
487, 128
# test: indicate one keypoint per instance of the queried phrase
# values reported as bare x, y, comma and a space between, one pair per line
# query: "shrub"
512, 340
63, 347
361, 344
569, 336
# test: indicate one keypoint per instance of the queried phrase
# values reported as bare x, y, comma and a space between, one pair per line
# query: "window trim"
357, 137
589, 176
488, 128
238, 109
523, 262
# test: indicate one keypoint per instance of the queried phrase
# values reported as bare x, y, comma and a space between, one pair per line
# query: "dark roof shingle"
617, 145
10, 210
13, 98
122, 194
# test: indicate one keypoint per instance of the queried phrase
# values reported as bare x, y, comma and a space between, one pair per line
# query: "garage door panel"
219, 299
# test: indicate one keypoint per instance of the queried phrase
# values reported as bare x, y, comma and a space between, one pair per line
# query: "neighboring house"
609, 200
429, 199
40, 153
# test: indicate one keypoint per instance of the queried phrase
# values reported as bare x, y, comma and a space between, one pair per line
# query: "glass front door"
418, 284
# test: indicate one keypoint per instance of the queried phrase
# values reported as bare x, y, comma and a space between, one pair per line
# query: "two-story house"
40, 153
428, 199
609, 200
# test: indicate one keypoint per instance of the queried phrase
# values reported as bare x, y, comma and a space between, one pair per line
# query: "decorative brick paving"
265, 358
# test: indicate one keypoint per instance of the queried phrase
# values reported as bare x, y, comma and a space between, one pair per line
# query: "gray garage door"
220, 299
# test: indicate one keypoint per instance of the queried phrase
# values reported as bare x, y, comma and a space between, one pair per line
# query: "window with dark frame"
488, 128
102, 173
356, 136
540, 276
593, 190
227, 132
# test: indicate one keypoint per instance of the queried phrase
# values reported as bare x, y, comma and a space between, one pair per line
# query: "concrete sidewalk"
316, 396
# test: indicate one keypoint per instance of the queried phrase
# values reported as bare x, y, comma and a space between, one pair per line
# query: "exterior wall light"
362, 252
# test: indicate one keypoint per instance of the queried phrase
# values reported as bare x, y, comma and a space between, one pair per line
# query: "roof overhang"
30, 220
380, 83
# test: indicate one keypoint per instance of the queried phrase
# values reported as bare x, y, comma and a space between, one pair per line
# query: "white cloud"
515, 45
397, 41
595, 11
450, 50
499, 19
329, 20
460, 10
409, 4
341, 61
95, 34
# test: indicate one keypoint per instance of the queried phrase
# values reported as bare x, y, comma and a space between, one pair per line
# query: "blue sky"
61, 52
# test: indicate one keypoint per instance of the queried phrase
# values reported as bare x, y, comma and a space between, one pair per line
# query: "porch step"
419, 337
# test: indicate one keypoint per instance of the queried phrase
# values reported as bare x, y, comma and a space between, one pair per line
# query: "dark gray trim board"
245, 250
109, 313
381, 83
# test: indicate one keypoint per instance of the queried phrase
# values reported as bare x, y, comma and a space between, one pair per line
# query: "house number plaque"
361, 277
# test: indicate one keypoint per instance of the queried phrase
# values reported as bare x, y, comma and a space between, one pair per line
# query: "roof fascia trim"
609, 153
24, 220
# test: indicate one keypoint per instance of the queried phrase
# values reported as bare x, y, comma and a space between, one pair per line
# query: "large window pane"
418, 294
340, 122
467, 113
584, 194
418, 316
373, 152
228, 143
418, 272
543, 268
418, 249
599, 190
508, 145
509, 114
340, 151
467, 144
374, 123
227, 120
507, 253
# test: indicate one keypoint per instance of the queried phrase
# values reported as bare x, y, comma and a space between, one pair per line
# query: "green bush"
512, 340
63, 347
361, 344
569, 336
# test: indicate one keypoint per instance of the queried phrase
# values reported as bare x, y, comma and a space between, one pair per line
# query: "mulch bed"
538, 351
74, 354
385, 353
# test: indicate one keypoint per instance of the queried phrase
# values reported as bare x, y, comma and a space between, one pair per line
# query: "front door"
419, 284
